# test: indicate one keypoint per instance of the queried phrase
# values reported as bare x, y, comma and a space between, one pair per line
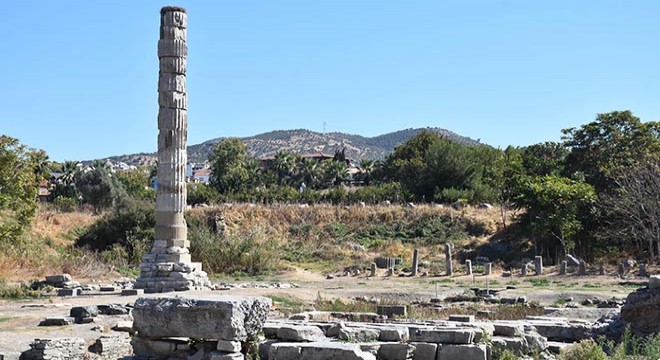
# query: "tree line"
595, 193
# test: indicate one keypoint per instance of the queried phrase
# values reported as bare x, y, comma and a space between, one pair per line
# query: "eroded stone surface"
222, 317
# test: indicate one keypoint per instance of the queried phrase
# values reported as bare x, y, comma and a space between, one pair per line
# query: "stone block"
391, 310
300, 333
357, 334
424, 351
173, 64
112, 346
56, 348
443, 335
171, 100
174, 18
463, 352
132, 292
394, 334
114, 309
229, 346
317, 351
171, 82
68, 292
462, 318
219, 355
173, 32
107, 289
395, 351
508, 329
83, 311
654, 282
172, 48
173, 258
124, 326
60, 278
55, 321
218, 317
161, 348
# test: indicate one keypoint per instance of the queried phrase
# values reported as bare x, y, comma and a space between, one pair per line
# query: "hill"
303, 141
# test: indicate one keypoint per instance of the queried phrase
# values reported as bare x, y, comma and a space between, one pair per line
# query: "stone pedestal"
489, 268
448, 262
468, 267
582, 269
538, 265
168, 266
642, 270
373, 269
523, 270
562, 267
415, 262
601, 270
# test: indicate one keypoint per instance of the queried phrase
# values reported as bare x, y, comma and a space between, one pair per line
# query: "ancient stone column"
538, 265
622, 268
448, 263
415, 262
582, 269
601, 270
468, 267
523, 269
562, 267
373, 269
168, 265
642, 270
489, 268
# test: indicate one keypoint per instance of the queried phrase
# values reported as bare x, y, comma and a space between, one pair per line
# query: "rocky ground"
300, 290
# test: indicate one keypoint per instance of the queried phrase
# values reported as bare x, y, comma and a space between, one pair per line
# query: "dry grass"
58, 227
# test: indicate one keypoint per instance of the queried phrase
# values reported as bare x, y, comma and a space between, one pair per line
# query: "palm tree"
366, 170
254, 171
310, 172
69, 171
283, 165
337, 173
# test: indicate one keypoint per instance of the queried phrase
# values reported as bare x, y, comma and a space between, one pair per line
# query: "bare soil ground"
19, 319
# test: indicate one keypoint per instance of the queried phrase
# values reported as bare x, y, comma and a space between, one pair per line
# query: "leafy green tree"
20, 174
98, 186
612, 142
254, 173
408, 166
228, 172
137, 184
503, 176
546, 158
556, 207
367, 168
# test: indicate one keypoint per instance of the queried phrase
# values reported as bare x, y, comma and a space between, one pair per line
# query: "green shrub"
584, 350
20, 291
130, 225
503, 355
65, 204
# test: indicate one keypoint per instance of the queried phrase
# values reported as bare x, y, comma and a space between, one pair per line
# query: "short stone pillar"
523, 270
562, 267
448, 262
622, 269
642, 270
489, 268
601, 270
373, 270
538, 265
468, 267
415, 262
390, 271
582, 269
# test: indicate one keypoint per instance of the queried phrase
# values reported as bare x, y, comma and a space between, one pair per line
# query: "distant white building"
202, 175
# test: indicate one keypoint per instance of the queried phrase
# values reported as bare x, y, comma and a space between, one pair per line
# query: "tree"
337, 173
635, 208
283, 165
614, 141
137, 184
407, 164
556, 208
310, 172
98, 186
546, 158
503, 175
367, 168
228, 173
20, 174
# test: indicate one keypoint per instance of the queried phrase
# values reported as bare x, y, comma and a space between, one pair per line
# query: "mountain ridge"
303, 141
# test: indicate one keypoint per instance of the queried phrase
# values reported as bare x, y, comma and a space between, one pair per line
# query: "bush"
202, 194
65, 204
250, 252
584, 350
130, 225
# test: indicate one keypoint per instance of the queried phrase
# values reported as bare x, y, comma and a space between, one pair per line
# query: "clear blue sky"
79, 77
